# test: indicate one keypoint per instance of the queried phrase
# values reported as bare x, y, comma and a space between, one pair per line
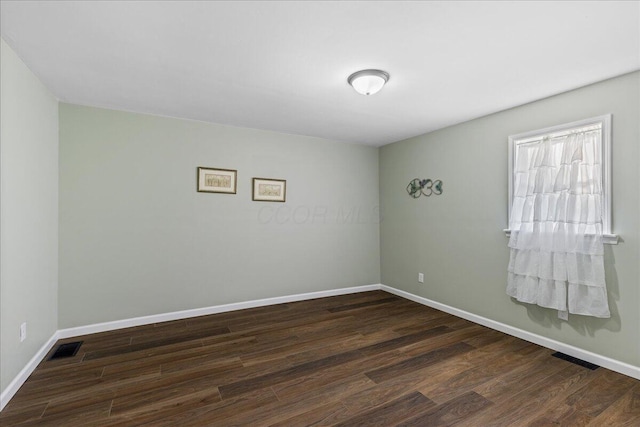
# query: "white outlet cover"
421, 277
23, 332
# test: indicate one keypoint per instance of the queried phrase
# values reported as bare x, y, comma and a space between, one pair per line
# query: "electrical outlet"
23, 331
420, 278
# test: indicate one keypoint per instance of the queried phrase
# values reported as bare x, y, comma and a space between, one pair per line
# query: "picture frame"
216, 180
269, 190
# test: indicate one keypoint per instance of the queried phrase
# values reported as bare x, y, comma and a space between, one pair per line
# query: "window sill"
607, 239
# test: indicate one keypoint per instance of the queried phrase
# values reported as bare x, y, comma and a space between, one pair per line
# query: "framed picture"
217, 180
269, 190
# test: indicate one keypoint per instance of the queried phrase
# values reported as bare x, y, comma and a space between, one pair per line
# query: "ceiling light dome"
368, 82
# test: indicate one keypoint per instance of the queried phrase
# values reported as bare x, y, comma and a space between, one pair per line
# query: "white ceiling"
283, 66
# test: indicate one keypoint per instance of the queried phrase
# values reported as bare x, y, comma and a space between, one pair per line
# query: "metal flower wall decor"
427, 187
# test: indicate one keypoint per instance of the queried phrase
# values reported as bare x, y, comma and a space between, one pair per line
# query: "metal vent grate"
575, 361
66, 350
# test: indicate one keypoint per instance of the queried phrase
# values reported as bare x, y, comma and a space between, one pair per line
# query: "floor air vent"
575, 360
66, 350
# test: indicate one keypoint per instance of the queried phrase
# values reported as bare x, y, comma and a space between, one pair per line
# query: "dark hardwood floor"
362, 359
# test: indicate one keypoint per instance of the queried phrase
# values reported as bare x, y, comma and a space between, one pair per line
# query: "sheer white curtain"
556, 251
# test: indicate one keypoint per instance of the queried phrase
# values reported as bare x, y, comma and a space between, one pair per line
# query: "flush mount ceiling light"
368, 82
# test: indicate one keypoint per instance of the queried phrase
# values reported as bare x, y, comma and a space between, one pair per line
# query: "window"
560, 216
557, 147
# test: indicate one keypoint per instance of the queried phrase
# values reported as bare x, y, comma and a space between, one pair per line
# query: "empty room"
296, 213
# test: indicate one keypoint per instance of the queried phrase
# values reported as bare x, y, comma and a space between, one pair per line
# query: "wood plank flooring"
362, 359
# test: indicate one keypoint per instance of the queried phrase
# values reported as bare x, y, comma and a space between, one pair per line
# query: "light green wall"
28, 214
137, 239
456, 238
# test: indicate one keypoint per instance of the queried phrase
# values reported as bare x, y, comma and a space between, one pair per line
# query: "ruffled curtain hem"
559, 295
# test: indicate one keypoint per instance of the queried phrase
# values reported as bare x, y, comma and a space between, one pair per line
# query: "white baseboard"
185, 314
22, 376
14, 386
606, 362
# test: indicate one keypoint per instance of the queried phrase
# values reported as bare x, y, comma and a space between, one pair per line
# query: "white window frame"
604, 122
